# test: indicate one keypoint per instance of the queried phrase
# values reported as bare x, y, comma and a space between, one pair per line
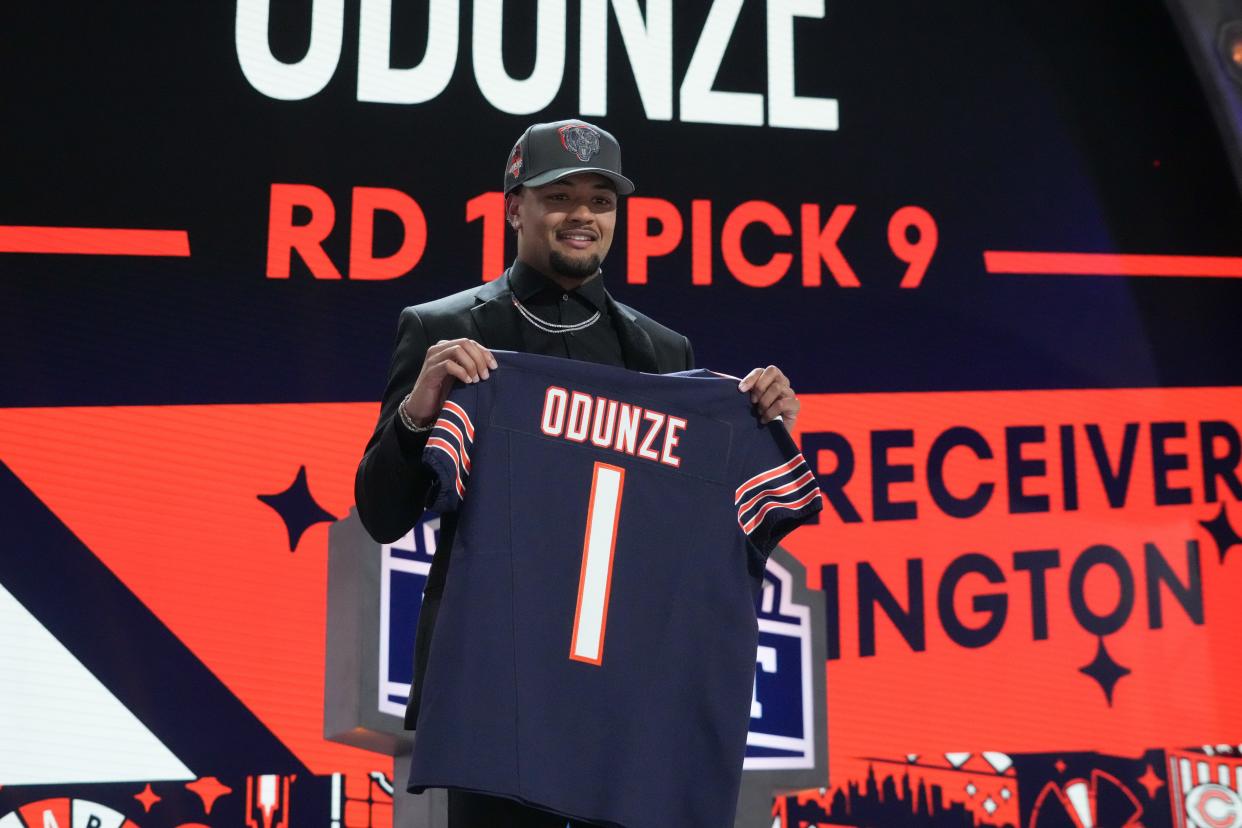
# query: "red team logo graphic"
1205, 788
581, 140
515, 162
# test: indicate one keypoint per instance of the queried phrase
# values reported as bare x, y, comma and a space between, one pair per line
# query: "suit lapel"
636, 345
495, 317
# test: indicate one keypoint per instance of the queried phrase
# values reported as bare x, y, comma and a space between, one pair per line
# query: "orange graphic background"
1017, 694
166, 497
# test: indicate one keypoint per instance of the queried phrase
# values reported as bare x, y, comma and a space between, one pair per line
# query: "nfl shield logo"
404, 567
581, 140
782, 716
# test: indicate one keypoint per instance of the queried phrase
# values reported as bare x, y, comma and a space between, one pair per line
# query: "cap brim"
624, 185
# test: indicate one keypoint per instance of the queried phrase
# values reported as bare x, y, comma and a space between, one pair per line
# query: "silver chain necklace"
554, 327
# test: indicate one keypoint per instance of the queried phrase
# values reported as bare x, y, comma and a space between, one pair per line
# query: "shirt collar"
526, 283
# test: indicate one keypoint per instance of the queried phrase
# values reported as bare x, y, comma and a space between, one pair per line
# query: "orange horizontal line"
98, 241
1111, 264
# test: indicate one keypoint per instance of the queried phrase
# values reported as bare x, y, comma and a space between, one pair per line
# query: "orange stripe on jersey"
749, 526
461, 441
461, 412
763, 477
444, 446
788, 487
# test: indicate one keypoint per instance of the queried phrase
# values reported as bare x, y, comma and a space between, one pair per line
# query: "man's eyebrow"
598, 185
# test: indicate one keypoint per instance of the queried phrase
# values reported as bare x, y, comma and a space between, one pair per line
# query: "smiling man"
562, 184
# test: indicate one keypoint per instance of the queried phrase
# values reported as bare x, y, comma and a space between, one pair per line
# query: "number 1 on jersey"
595, 578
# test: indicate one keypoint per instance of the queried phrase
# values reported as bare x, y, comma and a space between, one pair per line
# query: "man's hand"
773, 397
446, 361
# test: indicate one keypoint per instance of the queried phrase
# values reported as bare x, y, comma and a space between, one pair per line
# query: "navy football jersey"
594, 652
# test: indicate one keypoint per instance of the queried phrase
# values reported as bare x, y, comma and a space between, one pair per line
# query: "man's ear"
512, 201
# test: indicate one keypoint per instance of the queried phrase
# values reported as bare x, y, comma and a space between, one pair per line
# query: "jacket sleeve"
391, 485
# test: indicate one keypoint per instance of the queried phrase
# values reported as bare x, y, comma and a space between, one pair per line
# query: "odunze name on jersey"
611, 424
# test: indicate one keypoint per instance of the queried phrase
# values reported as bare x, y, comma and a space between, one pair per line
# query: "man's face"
565, 228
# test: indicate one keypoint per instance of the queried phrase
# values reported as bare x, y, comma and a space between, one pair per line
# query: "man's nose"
581, 212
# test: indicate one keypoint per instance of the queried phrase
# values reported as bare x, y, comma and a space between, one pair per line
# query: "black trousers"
471, 810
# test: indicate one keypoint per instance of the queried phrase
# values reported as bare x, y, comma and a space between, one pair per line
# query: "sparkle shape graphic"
1105, 671
209, 789
1151, 782
1222, 532
147, 797
297, 508
1060, 765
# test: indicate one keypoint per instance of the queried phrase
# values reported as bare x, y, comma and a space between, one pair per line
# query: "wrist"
410, 422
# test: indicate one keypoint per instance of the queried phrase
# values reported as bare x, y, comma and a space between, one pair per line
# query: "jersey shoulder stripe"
765, 476
784, 489
757, 518
441, 445
446, 430
455, 409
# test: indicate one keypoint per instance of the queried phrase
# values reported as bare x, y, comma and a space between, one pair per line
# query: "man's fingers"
459, 356
776, 407
786, 408
470, 355
772, 374
457, 370
749, 380
484, 356
483, 360
774, 392
765, 380
771, 394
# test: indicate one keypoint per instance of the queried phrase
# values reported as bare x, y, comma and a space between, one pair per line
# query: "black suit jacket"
391, 485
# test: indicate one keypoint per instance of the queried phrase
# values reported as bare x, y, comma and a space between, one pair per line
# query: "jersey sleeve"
449, 447
778, 492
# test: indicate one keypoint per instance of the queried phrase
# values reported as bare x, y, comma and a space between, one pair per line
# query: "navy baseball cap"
549, 152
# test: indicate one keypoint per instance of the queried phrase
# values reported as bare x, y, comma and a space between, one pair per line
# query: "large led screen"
995, 246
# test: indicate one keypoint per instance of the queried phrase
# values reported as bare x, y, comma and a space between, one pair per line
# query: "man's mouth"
577, 239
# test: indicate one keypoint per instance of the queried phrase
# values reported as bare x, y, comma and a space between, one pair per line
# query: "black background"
1054, 126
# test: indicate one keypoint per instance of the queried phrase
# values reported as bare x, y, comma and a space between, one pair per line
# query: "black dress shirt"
553, 304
